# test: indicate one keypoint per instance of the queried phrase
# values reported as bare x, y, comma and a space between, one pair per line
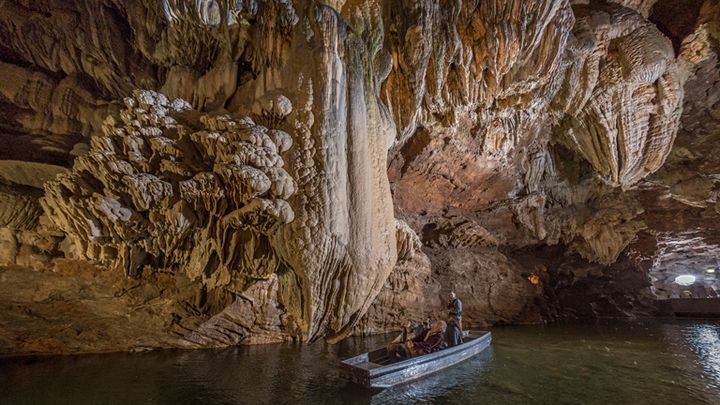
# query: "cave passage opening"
676, 282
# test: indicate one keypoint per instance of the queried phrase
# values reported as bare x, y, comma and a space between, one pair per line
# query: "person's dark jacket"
420, 329
455, 308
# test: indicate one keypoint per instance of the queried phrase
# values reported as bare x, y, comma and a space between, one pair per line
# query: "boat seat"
385, 360
366, 365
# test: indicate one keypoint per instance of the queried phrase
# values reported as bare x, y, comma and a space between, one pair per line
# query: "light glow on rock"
685, 279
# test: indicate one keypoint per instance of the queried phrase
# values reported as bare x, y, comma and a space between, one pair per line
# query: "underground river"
643, 362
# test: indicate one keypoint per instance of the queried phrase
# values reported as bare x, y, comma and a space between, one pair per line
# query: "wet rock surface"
205, 174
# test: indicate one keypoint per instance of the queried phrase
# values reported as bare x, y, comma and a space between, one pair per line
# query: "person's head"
452, 294
438, 327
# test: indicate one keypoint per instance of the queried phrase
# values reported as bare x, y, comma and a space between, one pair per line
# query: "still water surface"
646, 362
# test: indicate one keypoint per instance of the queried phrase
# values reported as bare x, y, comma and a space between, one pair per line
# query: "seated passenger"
429, 341
422, 327
409, 332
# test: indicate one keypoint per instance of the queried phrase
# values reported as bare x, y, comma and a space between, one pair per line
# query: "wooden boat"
379, 369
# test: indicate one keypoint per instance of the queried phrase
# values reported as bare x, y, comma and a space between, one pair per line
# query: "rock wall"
218, 173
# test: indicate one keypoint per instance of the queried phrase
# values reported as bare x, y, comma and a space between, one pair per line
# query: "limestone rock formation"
155, 192
496, 60
253, 318
622, 95
207, 194
210, 173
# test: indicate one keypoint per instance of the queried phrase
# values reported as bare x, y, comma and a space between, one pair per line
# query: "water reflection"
704, 339
638, 363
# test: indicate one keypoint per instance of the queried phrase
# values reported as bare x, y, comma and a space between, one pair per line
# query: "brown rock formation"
622, 96
204, 174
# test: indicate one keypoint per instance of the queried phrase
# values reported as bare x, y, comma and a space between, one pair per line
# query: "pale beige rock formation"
622, 95
253, 318
153, 191
485, 57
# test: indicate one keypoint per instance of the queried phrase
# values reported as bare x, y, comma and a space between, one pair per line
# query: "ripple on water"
647, 362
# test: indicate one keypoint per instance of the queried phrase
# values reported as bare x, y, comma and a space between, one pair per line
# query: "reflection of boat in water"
378, 369
460, 378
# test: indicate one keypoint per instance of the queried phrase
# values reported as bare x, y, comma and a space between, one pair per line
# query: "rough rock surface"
210, 173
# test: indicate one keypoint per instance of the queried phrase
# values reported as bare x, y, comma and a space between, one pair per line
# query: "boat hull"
364, 371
